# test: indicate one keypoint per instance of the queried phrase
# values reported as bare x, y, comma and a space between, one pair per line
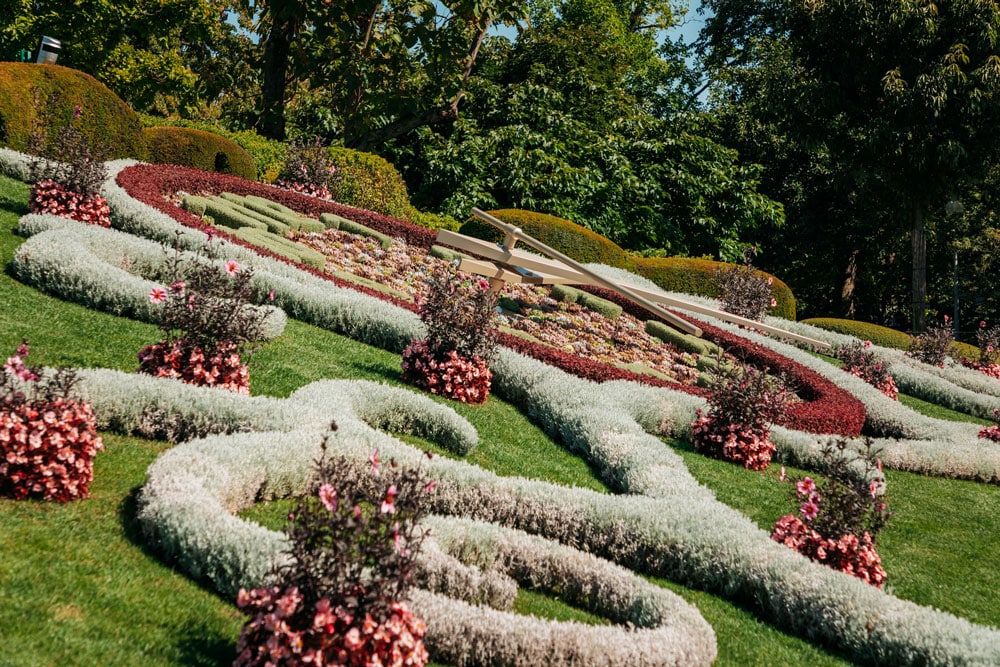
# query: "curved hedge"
877, 334
674, 274
688, 275
107, 121
188, 147
370, 182
567, 237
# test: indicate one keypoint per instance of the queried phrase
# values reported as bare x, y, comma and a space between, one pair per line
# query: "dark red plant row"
826, 407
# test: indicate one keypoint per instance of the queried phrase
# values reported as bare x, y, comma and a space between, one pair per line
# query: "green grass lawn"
79, 587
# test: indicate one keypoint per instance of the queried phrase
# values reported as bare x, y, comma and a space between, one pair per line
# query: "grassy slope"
77, 586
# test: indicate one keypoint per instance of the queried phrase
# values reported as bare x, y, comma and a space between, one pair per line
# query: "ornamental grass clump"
988, 341
460, 314
208, 323
840, 515
48, 438
68, 179
860, 360
743, 403
744, 291
341, 596
932, 346
308, 170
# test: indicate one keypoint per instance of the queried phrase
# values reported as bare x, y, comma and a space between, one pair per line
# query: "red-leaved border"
826, 408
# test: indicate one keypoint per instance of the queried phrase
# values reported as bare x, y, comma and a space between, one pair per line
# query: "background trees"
869, 117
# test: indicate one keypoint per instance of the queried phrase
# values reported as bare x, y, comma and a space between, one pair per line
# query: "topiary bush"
567, 237
109, 123
879, 335
199, 149
688, 275
370, 182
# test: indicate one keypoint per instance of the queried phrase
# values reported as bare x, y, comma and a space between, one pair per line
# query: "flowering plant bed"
47, 440
825, 408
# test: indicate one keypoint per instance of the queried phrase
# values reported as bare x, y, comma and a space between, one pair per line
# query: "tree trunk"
918, 238
850, 284
284, 30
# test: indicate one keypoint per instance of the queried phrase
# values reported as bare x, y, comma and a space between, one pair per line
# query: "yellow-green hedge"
567, 237
676, 274
108, 123
876, 333
688, 275
188, 147
370, 182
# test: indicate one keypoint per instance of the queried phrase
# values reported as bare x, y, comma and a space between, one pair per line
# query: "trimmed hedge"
877, 334
674, 274
587, 300
688, 275
567, 237
281, 246
370, 182
199, 149
107, 121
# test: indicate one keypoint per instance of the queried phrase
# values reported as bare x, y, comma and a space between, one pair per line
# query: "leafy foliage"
744, 291
199, 149
860, 360
932, 346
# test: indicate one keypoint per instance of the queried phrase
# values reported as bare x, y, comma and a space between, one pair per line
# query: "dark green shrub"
370, 182
447, 254
679, 339
202, 150
433, 220
565, 293
268, 155
571, 239
108, 124
598, 305
222, 213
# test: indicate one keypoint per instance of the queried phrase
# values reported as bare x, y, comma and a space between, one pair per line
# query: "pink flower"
868, 343
374, 460
989, 348
809, 510
770, 280
270, 295
982, 324
774, 302
232, 267
328, 496
805, 487
781, 477
430, 486
388, 506
178, 287
873, 488
157, 295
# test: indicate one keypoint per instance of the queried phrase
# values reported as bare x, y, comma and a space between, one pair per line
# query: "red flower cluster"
283, 633
993, 370
732, 442
56, 199
990, 433
849, 554
861, 362
450, 375
221, 368
47, 449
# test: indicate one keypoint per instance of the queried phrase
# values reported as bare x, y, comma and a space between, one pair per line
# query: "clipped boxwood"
106, 121
569, 238
268, 154
281, 246
688, 275
877, 334
199, 149
370, 182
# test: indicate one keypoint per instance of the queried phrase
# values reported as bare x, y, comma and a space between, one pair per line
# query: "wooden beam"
578, 268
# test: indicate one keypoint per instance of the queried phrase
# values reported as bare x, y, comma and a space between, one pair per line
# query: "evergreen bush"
199, 149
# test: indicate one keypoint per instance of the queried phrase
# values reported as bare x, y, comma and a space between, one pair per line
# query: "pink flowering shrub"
932, 346
451, 376
744, 291
68, 182
840, 517
48, 439
860, 361
743, 402
188, 363
341, 598
54, 198
461, 320
207, 323
988, 341
308, 170
992, 432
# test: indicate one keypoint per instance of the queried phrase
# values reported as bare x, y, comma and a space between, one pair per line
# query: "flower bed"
825, 408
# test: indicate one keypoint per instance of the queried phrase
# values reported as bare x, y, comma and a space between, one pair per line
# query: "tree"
138, 49
895, 100
566, 122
